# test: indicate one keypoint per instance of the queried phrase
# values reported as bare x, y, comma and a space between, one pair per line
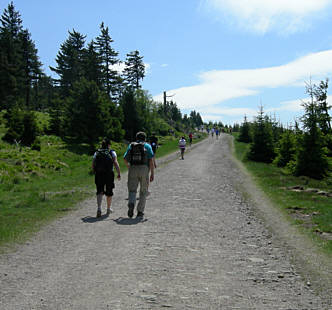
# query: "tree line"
88, 99
302, 149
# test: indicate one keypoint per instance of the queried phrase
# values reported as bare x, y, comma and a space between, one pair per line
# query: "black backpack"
138, 154
103, 161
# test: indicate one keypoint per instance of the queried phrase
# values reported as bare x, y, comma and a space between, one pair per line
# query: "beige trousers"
138, 175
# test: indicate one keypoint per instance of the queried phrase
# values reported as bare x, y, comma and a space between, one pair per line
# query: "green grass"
312, 213
37, 187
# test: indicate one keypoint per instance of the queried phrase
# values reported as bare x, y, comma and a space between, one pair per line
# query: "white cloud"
264, 15
120, 66
164, 65
219, 86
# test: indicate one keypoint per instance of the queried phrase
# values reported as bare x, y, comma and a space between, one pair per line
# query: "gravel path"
201, 246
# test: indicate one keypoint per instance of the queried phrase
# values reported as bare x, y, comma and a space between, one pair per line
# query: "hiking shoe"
140, 215
130, 210
98, 213
109, 211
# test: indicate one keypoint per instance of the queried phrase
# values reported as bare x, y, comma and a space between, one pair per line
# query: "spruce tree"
87, 114
134, 70
262, 147
108, 56
69, 61
311, 159
244, 135
286, 149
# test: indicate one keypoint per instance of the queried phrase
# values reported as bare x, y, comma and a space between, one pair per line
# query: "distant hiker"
190, 138
102, 165
182, 146
139, 160
217, 133
154, 145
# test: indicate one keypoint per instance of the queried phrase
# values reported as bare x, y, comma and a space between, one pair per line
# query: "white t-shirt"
182, 143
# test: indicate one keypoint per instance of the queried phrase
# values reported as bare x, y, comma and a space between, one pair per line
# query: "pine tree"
31, 66
133, 121
69, 60
93, 65
10, 61
111, 79
87, 114
311, 159
262, 147
286, 149
244, 135
134, 70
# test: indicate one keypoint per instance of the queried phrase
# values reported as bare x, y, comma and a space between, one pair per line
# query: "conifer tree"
69, 61
244, 135
286, 149
11, 26
262, 147
87, 114
311, 159
134, 70
111, 79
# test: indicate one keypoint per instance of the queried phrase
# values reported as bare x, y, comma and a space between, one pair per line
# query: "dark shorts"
154, 149
104, 183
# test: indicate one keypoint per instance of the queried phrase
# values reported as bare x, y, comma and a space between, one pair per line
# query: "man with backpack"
139, 160
102, 165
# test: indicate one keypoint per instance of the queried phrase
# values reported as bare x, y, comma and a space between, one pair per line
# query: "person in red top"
190, 138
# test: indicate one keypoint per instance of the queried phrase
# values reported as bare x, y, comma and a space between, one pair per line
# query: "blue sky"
222, 58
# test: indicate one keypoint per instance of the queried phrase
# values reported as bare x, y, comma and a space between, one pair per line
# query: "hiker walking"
190, 138
102, 165
139, 160
154, 145
182, 146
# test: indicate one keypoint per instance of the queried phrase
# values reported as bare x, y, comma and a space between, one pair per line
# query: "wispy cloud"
261, 16
216, 87
120, 66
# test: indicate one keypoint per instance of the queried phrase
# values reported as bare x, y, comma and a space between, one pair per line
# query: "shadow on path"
129, 221
92, 219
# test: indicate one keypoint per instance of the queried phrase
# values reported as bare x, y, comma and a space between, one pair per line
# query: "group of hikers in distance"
140, 161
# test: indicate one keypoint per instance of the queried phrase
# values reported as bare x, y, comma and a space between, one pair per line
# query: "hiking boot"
98, 213
130, 210
140, 215
109, 211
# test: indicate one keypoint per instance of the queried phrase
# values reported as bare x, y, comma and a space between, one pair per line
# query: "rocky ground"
202, 245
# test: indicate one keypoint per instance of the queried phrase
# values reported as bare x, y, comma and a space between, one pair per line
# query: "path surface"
200, 247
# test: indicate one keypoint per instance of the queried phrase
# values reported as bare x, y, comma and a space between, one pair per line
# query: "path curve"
201, 247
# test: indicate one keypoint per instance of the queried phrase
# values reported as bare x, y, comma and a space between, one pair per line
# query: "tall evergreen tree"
30, 64
311, 159
134, 70
108, 55
133, 121
93, 65
69, 60
324, 118
10, 61
87, 114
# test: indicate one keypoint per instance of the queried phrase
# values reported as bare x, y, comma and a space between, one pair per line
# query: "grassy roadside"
310, 211
38, 187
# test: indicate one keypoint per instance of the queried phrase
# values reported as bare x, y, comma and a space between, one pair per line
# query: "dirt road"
200, 246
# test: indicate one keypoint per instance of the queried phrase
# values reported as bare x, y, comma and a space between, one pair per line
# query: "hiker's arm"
117, 168
151, 165
126, 162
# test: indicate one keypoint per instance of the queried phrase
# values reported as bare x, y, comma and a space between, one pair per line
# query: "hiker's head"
105, 143
182, 137
141, 136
